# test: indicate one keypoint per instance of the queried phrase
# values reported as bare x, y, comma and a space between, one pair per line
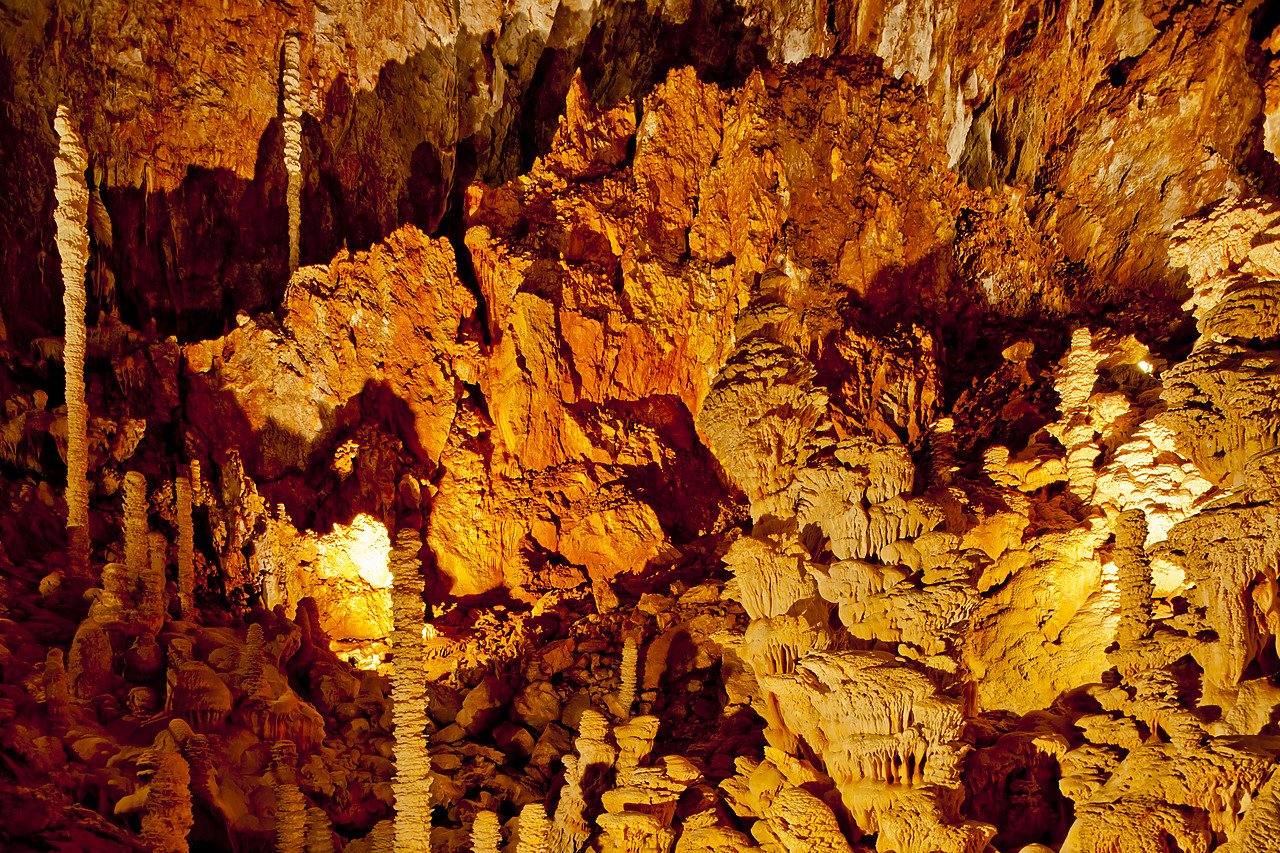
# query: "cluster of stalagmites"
943, 639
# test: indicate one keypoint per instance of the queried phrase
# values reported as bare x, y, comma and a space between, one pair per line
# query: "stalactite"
291, 805
627, 690
533, 829
71, 217
412, 781
167, 817
485, 833
291, 81
319, 832
1134, 576
186, 549
135, 532
57, 702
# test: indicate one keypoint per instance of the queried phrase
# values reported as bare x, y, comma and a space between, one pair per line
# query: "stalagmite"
533, 829
135, 532
71, 216
151, 604
291, 81
55, 691
319, 831
89, 665
291, 805
167, 817
250, 672
412, 781
627, 690
485, 835
186, 548
195, 749
1134, 576
569, 827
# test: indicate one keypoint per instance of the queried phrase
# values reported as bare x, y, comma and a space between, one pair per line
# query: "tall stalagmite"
1134, 575
135, 531
291, 82
627, 690
71, 216
291, 805
412, 781
186, 548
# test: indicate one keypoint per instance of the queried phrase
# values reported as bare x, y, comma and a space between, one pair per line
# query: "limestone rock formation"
738, 425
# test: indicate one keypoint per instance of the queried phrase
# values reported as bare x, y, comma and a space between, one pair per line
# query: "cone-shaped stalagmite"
71, 216
412, 782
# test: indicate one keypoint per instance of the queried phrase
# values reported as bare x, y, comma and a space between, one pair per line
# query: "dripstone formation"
640, 428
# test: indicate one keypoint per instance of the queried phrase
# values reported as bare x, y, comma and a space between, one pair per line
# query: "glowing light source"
1145, 366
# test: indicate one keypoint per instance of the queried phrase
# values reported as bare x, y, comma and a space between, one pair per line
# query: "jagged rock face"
798, 437
405, 102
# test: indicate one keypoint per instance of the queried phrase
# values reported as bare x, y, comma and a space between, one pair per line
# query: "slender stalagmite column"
627, 690
291, 805
186, 549
135, 533
1134, 576
412, 781
71, 217
291, 80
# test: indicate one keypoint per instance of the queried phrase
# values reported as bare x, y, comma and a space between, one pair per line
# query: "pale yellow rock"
70, 217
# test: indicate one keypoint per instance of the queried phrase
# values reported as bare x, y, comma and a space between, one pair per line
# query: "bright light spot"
1144, 366
366, 544
429, 631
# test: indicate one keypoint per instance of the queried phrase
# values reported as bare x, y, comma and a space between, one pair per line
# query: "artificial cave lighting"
759, 425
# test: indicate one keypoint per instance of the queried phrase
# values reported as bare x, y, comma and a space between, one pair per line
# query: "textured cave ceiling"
639, 427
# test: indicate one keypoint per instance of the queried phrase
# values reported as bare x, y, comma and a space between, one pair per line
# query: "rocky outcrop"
795, 441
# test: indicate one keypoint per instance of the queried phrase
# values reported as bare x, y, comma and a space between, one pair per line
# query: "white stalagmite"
291, 80
186, 548
533, 829
485, 834
627, 690
135, 531
71, 217
412, 782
